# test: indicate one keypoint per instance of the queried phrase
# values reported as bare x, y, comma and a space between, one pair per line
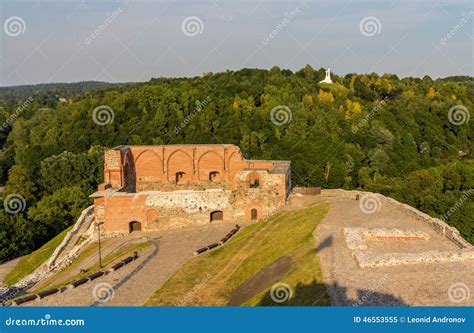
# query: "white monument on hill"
327, 79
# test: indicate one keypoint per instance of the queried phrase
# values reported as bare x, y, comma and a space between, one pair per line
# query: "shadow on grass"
316, 294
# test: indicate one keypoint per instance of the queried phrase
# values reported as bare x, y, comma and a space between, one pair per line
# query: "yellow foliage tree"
352, 108
431, 93
308, 100
236, 104
325, 97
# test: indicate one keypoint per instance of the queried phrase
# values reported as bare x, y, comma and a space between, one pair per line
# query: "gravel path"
133, 284
420, 284
6, 267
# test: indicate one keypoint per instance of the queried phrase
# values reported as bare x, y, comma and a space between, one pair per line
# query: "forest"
408, 138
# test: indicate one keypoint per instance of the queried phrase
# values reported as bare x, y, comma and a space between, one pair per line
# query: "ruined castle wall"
143, 168
164, 187
161, 210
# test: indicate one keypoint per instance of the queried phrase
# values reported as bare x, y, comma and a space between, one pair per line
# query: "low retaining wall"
438, 225
307, 190
56, 261
86, 217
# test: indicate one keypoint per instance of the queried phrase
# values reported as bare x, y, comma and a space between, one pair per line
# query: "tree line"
378, 133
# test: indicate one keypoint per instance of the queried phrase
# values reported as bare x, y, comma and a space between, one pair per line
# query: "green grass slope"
33, 260
212, 278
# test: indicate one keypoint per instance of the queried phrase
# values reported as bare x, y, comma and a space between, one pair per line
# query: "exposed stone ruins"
358, 239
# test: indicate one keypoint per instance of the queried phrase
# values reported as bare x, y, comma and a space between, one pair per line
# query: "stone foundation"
367, 259
356, 238
438, 225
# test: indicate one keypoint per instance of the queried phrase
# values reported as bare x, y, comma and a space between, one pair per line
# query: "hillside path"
134, 283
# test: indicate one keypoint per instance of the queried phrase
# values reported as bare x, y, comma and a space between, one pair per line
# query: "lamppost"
97, 225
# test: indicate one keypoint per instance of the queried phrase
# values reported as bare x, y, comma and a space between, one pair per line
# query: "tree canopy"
377, 133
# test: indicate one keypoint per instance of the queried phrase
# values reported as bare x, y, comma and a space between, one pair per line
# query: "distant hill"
51, 92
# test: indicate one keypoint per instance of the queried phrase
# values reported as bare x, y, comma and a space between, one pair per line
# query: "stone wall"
438, 225
142, 168
62, 256
162, 210
163, 187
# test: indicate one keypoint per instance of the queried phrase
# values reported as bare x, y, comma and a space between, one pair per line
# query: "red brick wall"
139, 168
161, 163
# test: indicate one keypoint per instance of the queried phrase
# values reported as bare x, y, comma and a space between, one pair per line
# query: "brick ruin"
150, 188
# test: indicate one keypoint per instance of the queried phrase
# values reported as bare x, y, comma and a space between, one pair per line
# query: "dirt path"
420, 284
6, 267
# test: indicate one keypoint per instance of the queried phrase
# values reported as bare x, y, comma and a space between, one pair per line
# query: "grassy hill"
32, 261
277, 250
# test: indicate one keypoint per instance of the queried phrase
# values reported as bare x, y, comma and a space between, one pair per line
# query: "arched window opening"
254, 214
253, 180
217, 215
134, 226
213, 176
179, 177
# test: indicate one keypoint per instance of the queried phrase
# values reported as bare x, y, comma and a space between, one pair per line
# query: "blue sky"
146, 38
